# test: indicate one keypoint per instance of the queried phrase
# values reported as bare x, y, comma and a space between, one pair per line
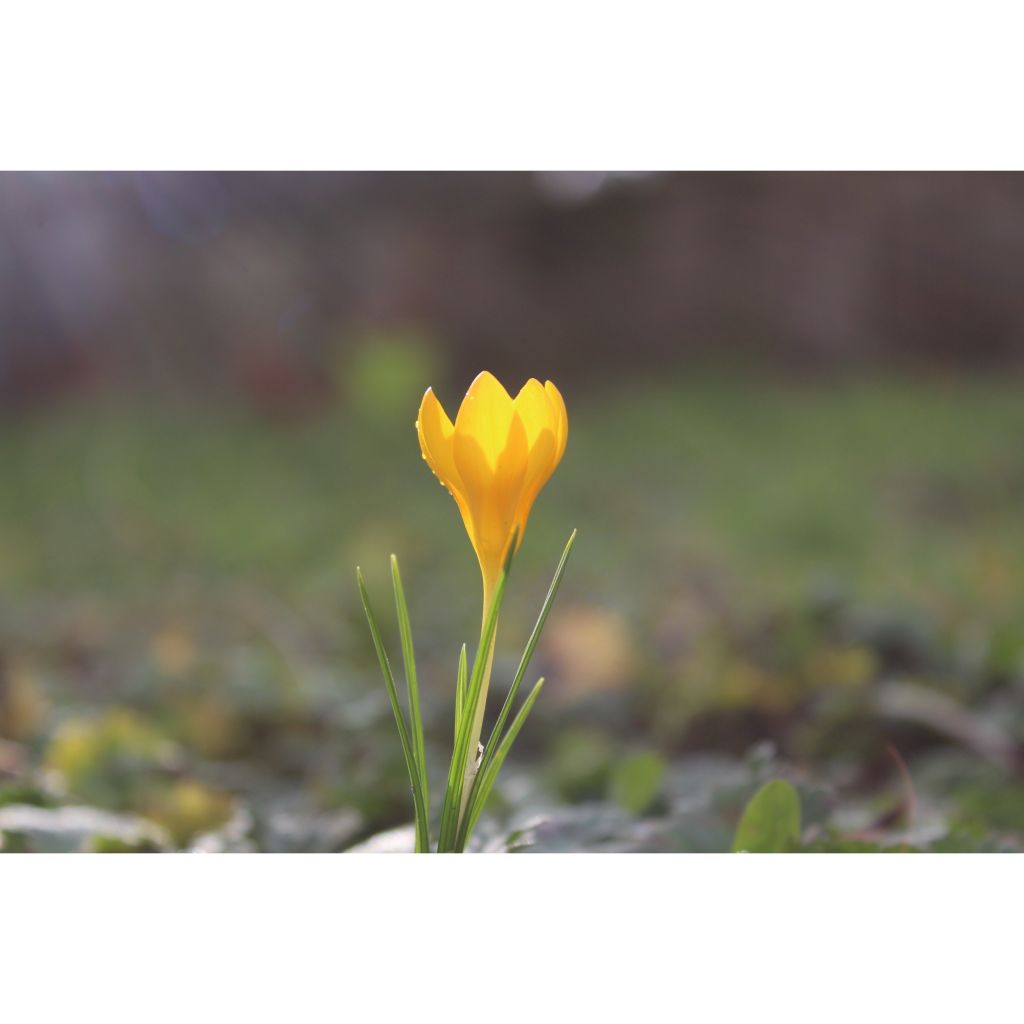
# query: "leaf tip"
513, 544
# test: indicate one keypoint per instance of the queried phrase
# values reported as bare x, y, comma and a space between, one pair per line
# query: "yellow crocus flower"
494, 460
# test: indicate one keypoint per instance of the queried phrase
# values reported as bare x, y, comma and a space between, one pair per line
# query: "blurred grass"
901, 489
197, 566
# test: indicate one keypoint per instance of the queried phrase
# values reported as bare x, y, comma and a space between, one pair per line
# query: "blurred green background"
794, 462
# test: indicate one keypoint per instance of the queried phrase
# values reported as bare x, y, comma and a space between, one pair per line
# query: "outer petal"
541, 422
541, 466
534, 409
436, 434
562, 419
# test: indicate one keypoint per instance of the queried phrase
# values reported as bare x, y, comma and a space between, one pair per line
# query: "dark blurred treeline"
255, 285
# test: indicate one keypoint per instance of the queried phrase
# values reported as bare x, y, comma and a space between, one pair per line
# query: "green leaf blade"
524, 661
460, 690
484, 782
422, 826
412, 686
771, 820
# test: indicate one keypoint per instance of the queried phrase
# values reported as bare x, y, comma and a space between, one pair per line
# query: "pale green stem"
478, 719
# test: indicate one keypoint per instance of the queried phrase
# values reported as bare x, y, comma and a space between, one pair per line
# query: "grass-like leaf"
409, 660
524, 662
422, 826
460, 690
485, 780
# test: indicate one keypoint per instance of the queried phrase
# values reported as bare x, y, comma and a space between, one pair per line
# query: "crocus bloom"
494, 460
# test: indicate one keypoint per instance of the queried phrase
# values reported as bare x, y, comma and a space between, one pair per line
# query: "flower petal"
540, 466
436, 434
486, 416
561, 417
534, 409
541, 420
490, 453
